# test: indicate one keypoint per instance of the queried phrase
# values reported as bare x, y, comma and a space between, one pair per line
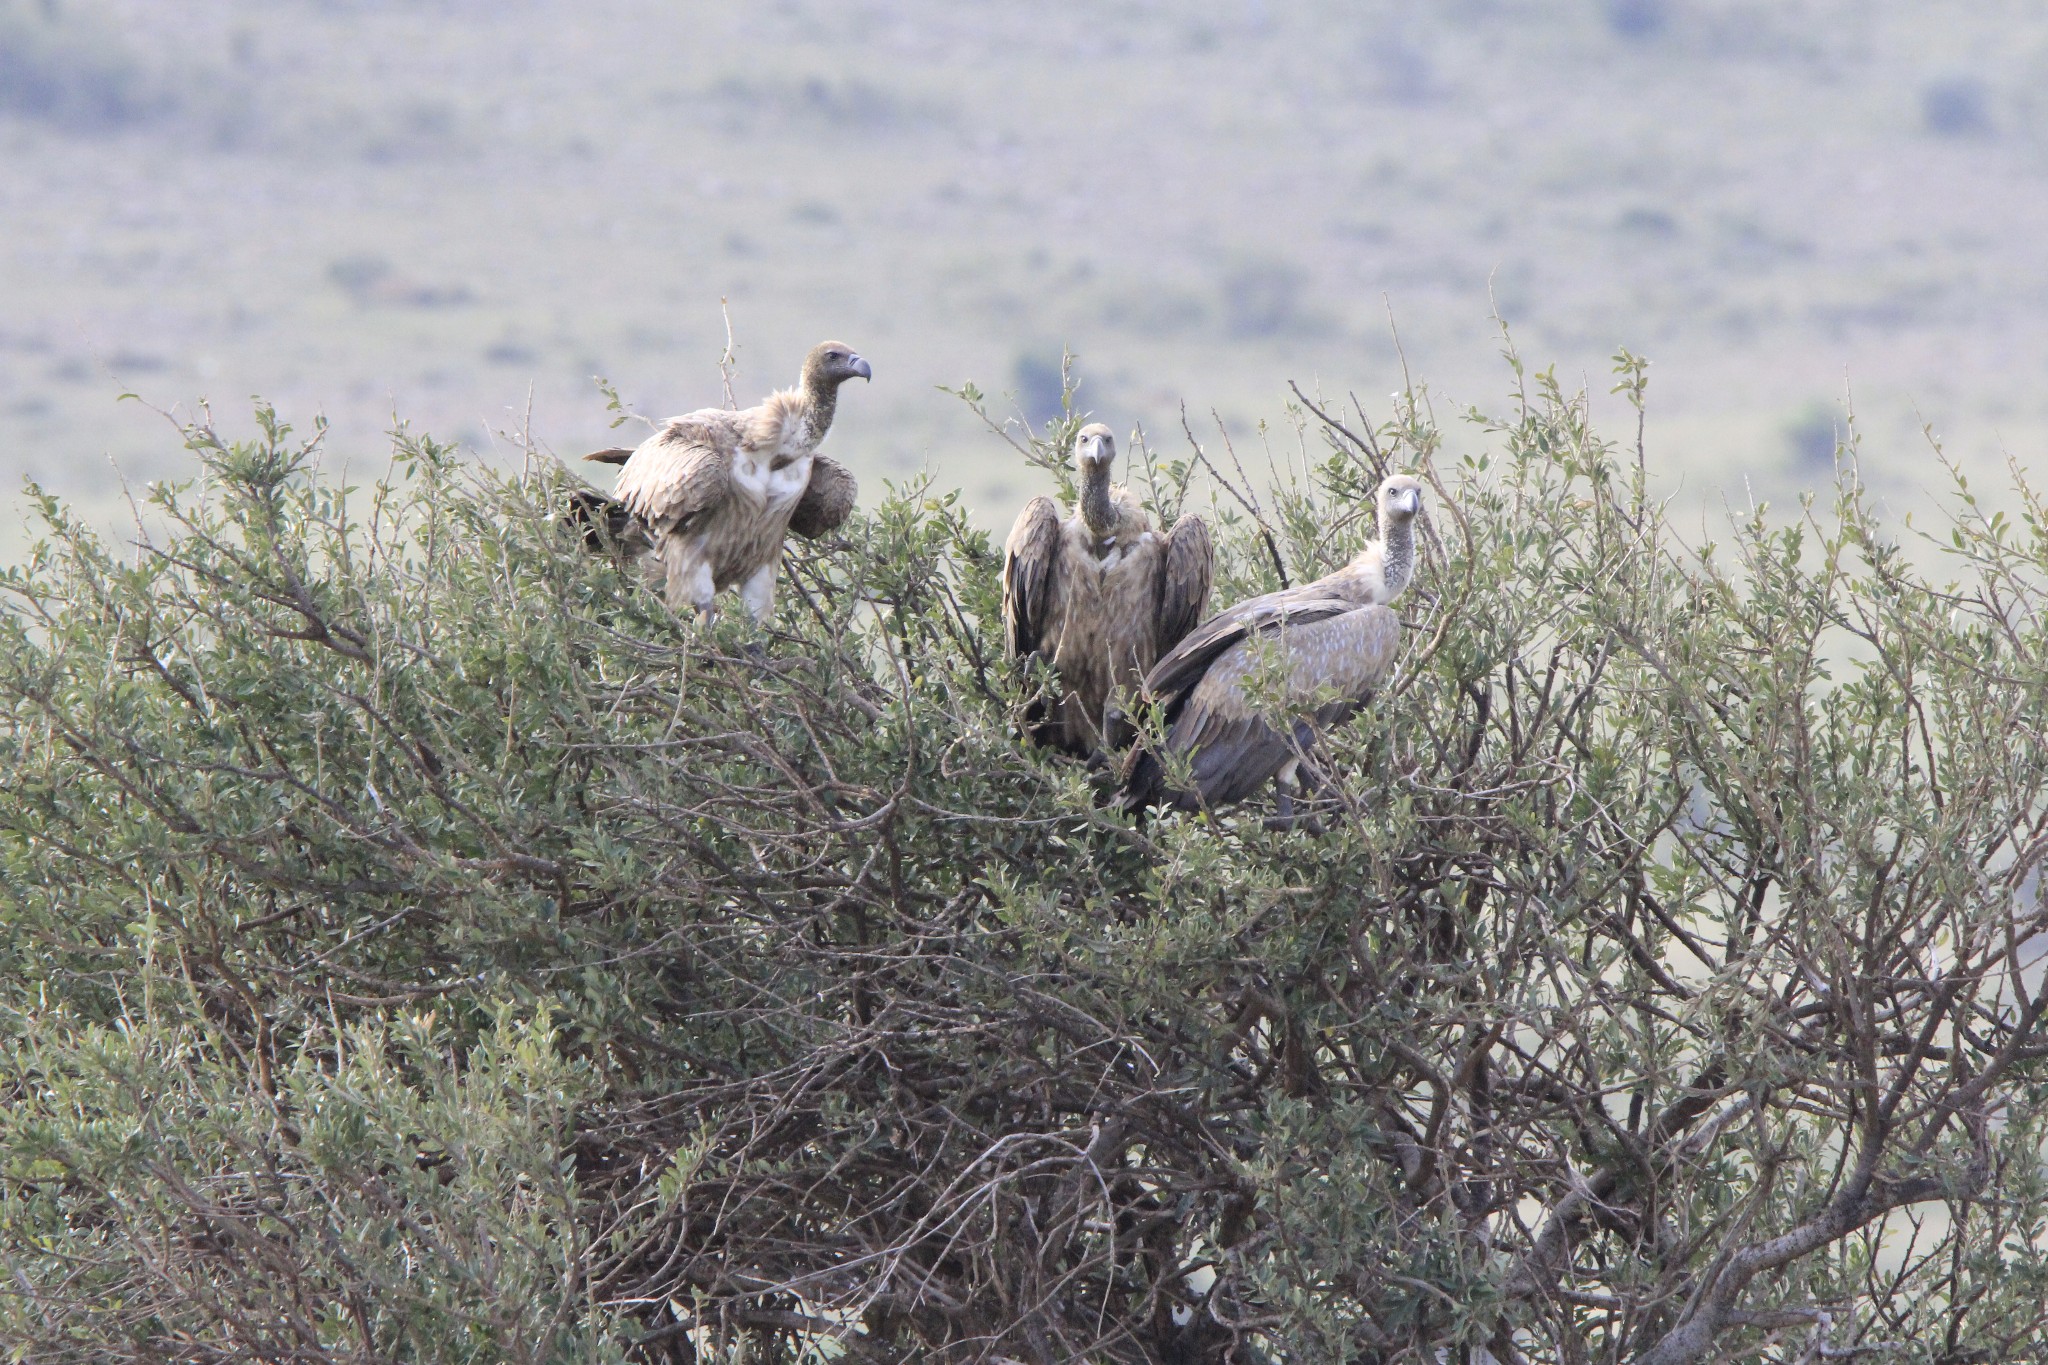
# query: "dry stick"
727, 362
1243, 497
1642, 454
1366, 445
1407, 382
1236, 463
1139, 445
1365, 422
1002, 429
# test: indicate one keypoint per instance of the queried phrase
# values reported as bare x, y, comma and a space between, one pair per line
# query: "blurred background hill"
452, 211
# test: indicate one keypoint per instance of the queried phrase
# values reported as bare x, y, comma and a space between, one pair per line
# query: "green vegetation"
421, 946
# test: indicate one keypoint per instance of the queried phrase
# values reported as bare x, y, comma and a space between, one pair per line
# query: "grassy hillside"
453, 211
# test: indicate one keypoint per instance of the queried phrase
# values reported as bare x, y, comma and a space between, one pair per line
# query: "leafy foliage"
423, 946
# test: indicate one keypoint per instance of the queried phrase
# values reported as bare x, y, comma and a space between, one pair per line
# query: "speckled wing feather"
1176, 674
1337, 661
1182, 667
683, 470
827, 501
1185, 573
1240, 757
1028, 558
1333, 652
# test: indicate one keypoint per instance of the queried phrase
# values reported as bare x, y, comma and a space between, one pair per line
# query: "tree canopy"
421, 945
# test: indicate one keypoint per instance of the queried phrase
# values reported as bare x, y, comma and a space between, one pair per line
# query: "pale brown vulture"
710, 496
1098, 595
1324, 647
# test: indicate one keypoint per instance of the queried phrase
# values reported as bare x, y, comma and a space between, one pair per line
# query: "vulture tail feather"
1144, 782
603, 522
1144, 786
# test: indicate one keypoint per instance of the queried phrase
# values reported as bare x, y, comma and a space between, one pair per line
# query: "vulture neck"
821, 397
1098, 513
1397, 553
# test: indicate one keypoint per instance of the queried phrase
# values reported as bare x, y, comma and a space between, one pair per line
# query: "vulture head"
832, 363
1400, 500
1094, 450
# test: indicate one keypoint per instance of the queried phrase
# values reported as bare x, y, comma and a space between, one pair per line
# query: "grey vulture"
1319, 651
1097, 595
706, 500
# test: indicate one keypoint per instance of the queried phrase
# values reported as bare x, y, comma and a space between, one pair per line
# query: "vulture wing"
1184, 577
1235, 750
683, 470
1181, 679
1028, 559
1182, 667
1328, 645
827, 500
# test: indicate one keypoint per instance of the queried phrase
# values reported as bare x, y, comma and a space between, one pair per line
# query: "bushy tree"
419, 945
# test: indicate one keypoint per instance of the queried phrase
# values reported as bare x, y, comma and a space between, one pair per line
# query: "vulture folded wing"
1336, 662
1182, 667
1028, 559
1350, 653
1238, 757
827, 501
1185, 573
681, 471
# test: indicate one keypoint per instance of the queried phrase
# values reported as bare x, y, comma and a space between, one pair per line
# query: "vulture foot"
1297, 779
1290, 820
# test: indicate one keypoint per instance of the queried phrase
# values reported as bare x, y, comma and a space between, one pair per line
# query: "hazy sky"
458, 212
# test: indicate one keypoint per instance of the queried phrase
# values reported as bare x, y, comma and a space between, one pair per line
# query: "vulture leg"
1297, 779
689, 577
1118, 730
757, 592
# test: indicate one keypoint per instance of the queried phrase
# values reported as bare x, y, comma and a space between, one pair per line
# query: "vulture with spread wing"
707, 500
1098, 595
1314, 653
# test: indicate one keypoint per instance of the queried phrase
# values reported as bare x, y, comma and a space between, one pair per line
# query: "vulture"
706, 501
1332, 643
1098, 595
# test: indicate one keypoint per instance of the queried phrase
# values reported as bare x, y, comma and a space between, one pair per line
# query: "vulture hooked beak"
1094, 449
860, 367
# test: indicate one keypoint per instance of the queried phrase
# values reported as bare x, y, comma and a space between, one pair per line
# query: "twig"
727, 362
1367, 446
1243, 497
1407, 381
